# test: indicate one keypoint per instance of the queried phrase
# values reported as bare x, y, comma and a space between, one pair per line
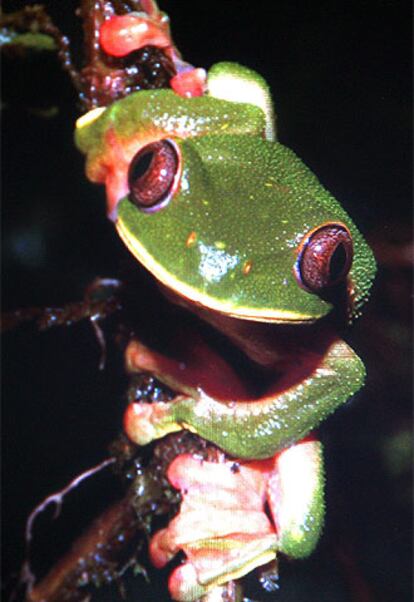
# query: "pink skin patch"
223, 525
222, 512
116, 171
187, 370
218, 501
190, 83
112, 167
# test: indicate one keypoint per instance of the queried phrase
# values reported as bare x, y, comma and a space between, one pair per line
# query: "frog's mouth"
277, 385
236, 359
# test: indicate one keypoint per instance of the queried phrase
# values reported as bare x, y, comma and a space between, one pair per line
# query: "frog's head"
219, 212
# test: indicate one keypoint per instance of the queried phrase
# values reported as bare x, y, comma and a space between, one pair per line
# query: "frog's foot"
222, 527
122, 34
213, 402
213, 562
144, 422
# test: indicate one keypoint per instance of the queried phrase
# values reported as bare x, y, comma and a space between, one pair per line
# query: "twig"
56, 498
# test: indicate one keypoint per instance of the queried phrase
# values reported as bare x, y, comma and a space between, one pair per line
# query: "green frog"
237, 230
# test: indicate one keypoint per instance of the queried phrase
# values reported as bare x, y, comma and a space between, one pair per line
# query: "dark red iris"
325, 257
152, 174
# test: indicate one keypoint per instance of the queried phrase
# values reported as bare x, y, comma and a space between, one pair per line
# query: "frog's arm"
245, 429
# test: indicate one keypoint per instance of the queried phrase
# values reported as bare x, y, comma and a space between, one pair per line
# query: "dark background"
341, 78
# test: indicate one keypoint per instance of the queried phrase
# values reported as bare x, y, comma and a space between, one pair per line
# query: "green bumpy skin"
261, 184
233, 82
296, 498
159, 113
229, 171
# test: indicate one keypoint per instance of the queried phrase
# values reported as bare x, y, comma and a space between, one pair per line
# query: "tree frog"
236, 229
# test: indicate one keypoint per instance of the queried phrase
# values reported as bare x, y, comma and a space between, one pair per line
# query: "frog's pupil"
141, 166
337, 262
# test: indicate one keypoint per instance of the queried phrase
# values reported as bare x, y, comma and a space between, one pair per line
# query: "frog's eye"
325, 257
153, 175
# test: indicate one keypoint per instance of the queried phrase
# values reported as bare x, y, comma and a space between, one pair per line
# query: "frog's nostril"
325, 257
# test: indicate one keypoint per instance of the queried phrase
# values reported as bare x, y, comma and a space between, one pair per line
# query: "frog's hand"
222, 526
259, 428
296, 497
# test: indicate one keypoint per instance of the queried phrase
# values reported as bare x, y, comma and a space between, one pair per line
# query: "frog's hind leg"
295, 494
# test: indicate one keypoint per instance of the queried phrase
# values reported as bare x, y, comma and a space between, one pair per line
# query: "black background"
341, 79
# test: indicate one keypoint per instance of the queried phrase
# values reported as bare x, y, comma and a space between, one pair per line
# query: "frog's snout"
324, 257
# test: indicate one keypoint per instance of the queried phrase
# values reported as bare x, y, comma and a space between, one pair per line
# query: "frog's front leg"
246, 428
223, 528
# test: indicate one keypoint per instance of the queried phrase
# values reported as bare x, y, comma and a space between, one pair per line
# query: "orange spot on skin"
247, 266
191, 239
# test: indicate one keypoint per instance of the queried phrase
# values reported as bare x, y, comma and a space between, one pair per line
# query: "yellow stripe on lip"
192, 294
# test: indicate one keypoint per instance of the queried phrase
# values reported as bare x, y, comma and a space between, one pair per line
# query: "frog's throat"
196, 297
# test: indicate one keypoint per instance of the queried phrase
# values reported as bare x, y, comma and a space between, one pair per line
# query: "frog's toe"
144, 422
184, 585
